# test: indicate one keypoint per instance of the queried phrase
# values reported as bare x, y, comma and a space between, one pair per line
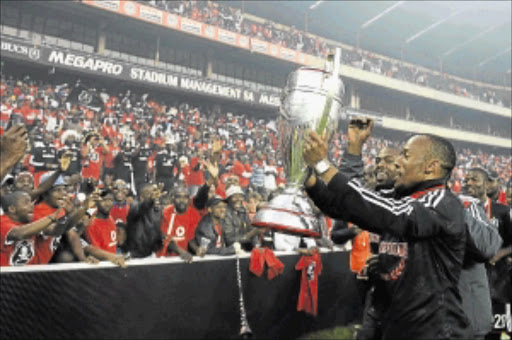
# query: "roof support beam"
470, 40
434, 25
499, 54
316, 4
381, 14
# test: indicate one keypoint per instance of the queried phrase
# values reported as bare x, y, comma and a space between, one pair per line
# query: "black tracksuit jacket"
421, 252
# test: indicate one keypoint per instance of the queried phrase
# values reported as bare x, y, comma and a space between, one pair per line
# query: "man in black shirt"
123, 168
44, 156
423, 236
143, 236
165, 163
71, 147
140, 158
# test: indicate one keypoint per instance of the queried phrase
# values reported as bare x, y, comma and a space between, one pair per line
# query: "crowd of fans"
125, 172
218, 14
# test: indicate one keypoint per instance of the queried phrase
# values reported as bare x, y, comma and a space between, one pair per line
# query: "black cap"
214, 201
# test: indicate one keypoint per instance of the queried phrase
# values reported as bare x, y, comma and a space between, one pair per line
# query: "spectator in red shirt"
93, 153
17, 233
102, 232
120, 209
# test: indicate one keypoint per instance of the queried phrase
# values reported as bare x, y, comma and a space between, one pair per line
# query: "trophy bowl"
311, 100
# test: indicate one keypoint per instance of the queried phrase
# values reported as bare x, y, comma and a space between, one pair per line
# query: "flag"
82, 95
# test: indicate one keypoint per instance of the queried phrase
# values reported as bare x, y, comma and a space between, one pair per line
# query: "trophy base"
291, 213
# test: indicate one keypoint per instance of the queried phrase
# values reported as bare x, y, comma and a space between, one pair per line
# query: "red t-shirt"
109, 157
119, 212
93, 163
311, 267
45, 245
102, 233
181, 230
14, 253
195, 177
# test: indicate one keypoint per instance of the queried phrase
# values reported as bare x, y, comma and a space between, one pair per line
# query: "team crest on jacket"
396, 250
23, 253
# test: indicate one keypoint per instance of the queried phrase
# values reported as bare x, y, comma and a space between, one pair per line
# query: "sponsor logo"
287, 54
227, 36
150, 14
32, 53
172, 20
81, 62
209, 31
243, 41
273, 49
110, 5
190, 26
129, 8
258, 46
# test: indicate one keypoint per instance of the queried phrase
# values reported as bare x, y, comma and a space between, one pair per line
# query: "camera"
359, 123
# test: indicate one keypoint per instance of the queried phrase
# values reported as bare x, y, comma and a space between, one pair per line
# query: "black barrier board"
171, 300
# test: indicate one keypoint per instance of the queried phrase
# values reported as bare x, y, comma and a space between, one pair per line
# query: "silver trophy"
312, 100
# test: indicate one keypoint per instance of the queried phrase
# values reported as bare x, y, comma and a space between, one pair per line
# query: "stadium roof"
471, 38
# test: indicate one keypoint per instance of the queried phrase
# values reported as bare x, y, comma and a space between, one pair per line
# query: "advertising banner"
98, 64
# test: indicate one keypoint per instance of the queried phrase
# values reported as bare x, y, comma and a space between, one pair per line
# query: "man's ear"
12, 209
433, 167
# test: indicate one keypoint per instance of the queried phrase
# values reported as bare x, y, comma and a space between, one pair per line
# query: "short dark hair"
11, 199
442, 149
481, 171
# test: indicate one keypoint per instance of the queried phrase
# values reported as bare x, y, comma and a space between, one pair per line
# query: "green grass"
340, 333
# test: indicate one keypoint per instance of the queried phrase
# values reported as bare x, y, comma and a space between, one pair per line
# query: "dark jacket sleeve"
483, 240
350, 201
352, 165
201, 197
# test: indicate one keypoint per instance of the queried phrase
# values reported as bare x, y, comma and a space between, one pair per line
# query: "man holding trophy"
422, 232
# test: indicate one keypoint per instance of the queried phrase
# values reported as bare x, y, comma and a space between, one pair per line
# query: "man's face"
119, 193
233, 180
105, 204
181, 201
235, 202
475, 185
411, 163
252, 204
56, 195
24, 209
25, 183
386, 169
218, 211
